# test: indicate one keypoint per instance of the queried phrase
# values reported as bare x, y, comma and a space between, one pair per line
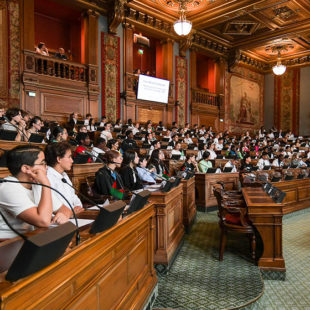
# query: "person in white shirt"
204, 138
17, 203
278, 162
86, 120
98, 149
59, 160
290, 136
136, 130
188, 139
103, 121
168, 135
177, 151
202, 130
263, 161
211, 147
219, 146
106, 133
200, 152
232, 164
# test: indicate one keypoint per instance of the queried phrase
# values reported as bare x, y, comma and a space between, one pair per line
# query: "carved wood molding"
116, 15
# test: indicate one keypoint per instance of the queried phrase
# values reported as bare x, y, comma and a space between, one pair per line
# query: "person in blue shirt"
144, 174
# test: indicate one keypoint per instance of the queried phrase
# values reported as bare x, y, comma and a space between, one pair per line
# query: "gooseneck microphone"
156, 175
18, 129
84, 196
90, 154
59, 193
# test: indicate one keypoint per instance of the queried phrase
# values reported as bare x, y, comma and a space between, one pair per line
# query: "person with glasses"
17, 200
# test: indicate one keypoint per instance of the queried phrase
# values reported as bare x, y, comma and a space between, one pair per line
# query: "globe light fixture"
279, 69
182, 26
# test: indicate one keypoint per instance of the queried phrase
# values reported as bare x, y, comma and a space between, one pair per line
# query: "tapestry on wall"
286, 105
9, 53
110, 66
181, 89
244, 99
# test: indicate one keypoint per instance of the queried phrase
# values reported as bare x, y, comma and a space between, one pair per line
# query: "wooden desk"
205, 182
79, 172
266, 216
4, 172
9, 145
297, 194
189, 202
169, 225
111, 270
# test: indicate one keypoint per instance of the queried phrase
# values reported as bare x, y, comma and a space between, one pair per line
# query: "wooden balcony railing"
50, 66
203, 97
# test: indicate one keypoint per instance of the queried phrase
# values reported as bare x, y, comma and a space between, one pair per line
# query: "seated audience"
263, 161
61, 54
144, 174
34, 126
42, 49
129, 143
59, 160
15, 122
17, 202
178, 151
129, 172
113, 145
246, 165
157, 161
87, 118
83, 141
106, 133
205, 162
100, 148
107, 180
58, 134
190, 164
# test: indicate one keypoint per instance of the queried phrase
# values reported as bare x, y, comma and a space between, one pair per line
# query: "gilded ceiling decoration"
190, 4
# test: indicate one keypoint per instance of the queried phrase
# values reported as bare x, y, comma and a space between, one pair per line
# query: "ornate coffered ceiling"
252, 28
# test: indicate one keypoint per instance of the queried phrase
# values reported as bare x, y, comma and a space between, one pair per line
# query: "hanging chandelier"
182, 26
279, 68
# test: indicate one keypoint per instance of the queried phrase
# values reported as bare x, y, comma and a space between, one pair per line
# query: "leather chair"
233, 217
87, 188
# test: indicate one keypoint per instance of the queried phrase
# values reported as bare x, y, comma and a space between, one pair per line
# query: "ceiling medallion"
284, 46
175, 4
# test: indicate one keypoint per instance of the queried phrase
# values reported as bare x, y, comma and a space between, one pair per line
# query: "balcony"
203, 97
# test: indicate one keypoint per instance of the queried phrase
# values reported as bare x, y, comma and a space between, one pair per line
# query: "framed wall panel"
3, 52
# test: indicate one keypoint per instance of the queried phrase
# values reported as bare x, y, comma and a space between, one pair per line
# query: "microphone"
84, 196
157, 175
25, 137
90, 154
58, 192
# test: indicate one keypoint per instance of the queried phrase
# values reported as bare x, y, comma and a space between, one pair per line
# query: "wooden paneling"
189, 202
297, 194
110, 270
59, 104
266, 216
169, 224
205, 182
79, 172
147, 114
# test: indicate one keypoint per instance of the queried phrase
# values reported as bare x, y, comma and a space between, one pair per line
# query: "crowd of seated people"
41, 49
119, 147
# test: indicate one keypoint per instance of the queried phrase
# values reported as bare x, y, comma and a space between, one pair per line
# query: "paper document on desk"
81, 222
106, 203
153, 188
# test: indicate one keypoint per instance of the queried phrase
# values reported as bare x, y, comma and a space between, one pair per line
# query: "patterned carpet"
294, 292
198, 281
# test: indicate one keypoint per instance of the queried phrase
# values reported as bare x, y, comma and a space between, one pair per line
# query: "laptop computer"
175, 157
8, 135
36, 138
